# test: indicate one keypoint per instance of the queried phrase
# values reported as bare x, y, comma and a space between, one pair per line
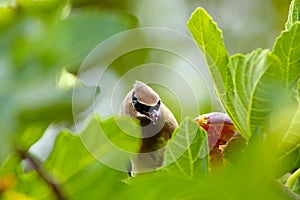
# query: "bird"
157, 124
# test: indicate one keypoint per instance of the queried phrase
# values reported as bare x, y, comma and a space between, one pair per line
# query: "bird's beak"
153, 116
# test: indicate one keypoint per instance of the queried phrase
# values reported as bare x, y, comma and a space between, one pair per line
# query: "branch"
36, 166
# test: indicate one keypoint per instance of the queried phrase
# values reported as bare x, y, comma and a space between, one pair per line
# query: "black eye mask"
142, 108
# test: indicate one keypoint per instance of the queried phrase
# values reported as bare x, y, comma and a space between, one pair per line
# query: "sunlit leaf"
249, 86
254, 80
95, 181
12, 195
113, 140
83, 30
67, 157
7, 16
291, 136
10, 165
287, 49
210, 40
31, 135
294, 14
187, 151
67, 81
293, 181
29, 184
284, 131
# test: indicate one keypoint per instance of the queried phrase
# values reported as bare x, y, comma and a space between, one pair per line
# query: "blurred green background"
43, 43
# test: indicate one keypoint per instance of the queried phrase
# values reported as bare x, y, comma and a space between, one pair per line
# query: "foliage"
257, 90
187, 151
39, 39
251, 86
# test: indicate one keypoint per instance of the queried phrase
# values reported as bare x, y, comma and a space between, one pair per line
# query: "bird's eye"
136, 104
134, 101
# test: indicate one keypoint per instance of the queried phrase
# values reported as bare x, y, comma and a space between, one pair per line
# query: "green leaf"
112, 141
10, 165
122, 131
249, 86
67, 81
294, 14
298, 92
83, 30
7, 16
67, 157
187, 151
291, 137
256, 86
95, 181
73, 159
293, 182
31, 135
284, 131
287, 50
209, 38
28, 183
286, 163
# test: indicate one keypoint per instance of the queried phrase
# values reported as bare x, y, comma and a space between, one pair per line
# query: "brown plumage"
157, 124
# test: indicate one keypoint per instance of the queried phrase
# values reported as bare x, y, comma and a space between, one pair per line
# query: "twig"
36, 166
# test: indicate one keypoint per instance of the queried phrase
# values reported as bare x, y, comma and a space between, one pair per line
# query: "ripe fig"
222, 137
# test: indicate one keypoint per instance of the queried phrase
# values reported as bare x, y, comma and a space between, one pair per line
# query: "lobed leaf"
287, 137
252, 87
31, 135
28, 183
209, 38
112, 141
287, 50
291, 139
294, 14
67, 157
94, 181
187, 151
249, 86
254, 76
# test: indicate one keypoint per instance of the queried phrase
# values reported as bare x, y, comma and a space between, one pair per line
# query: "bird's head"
145, 102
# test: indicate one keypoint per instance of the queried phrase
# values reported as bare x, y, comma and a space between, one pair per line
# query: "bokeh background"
44, 43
